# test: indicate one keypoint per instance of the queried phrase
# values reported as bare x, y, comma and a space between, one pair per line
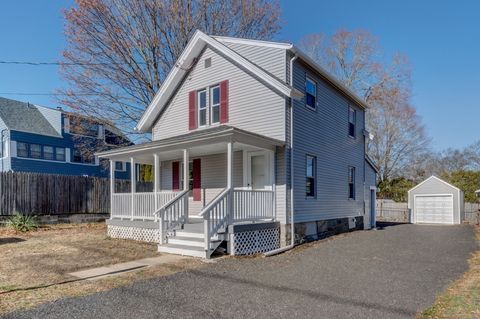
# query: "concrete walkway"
116, 269
393, 272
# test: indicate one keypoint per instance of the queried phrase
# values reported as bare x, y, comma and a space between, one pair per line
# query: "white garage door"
436, 209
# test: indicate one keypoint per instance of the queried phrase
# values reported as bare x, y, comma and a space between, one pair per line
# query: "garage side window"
351, 182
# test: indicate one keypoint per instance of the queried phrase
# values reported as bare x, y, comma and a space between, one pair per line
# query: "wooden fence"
45, 194
388, 210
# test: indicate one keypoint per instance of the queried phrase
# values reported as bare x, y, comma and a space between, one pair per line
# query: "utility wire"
61, 63
53, 94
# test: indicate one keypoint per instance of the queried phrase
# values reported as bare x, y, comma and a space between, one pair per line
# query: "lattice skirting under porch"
255, 241
135, 233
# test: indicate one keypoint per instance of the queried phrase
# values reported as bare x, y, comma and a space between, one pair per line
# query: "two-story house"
52, 141
252, 142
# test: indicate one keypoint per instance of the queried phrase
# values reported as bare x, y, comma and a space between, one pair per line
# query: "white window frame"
352, 110
199, 92
352, 168
214, 105
123, 168
314, 175
309, 79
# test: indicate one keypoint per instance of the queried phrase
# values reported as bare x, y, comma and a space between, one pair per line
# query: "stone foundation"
310, 231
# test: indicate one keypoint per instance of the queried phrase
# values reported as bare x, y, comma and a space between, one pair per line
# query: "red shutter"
224, 101
197, 180
175, 176
192, 110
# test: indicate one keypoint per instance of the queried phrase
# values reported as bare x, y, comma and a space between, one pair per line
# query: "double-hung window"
311, 93
310, 176
202, 107
351, 182
215, 104
22, 149
48, 153
60, 154
352, 119
35, 151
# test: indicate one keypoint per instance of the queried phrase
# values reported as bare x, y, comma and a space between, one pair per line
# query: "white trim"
438, 179
197, 108
260, 43
124, 166
414, 213
211, 105
187, 59
308, 78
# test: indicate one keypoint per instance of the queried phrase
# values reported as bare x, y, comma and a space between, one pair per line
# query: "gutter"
292, 225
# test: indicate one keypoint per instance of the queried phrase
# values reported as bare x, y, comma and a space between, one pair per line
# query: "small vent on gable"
208, 62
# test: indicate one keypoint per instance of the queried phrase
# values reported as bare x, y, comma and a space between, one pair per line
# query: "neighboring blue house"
52, 141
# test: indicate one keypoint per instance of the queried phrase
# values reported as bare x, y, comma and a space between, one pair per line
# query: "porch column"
156, 180
230, 165
133, 184
230, 182
186, 175
112, 186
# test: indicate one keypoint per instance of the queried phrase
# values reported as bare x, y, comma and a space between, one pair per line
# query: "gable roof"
308, 60
437, 179
188, 58
25, 117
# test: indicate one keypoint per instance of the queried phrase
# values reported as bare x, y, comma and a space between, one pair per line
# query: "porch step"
187, 241
183, 250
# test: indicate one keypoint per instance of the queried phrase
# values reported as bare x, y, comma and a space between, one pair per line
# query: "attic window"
208, 62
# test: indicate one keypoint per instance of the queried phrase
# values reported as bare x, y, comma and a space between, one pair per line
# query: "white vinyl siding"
253, 106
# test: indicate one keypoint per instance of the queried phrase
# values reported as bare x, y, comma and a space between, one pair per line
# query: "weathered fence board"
388, 210
45, 194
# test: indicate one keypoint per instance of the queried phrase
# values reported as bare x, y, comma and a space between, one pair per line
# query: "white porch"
231, 181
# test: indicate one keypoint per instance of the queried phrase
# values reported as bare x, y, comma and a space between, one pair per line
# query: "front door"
257, 170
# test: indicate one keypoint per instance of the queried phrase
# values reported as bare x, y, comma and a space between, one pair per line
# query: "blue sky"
441, 38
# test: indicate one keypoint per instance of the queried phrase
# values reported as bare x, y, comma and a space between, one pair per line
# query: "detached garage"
435, 201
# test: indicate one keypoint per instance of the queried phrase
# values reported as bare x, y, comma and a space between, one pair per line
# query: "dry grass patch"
45, 257
462, 298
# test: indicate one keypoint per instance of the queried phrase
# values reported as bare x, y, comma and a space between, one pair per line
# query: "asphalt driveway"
389, 273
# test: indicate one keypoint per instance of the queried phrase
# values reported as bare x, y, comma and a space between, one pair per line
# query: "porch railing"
143, 204
216, 216
173, 214
253, 205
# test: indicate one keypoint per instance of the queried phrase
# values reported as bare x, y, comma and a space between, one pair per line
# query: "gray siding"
370, 181
324, 134
281, 184
433, 186
252, 105
270, 59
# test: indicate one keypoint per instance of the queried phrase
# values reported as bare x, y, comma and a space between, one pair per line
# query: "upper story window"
22, 149
80, 157
311, 93
351, 182
37, 151
310, 176
48, 153
202, 108
352, 119
215, 104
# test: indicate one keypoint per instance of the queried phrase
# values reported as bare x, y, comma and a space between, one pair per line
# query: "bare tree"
120, 51
355, 59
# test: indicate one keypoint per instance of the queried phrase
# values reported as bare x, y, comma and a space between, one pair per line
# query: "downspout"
292, 225
3, 155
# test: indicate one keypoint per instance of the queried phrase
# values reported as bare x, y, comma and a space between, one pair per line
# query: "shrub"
22, 223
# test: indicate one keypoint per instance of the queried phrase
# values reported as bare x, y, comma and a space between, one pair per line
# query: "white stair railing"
173, 214
216, 216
